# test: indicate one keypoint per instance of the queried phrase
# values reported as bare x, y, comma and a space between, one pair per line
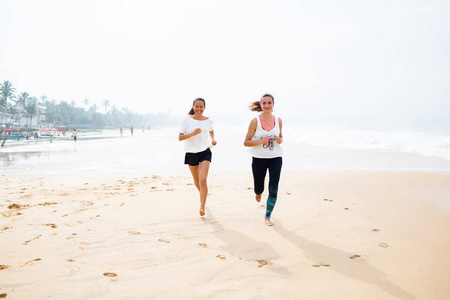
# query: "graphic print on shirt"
269, 143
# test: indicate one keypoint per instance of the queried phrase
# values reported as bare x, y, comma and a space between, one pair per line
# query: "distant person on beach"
131, 130
74, 135
264, 136
121, 130
196, 131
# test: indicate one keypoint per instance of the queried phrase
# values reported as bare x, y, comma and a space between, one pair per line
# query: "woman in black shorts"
196, 131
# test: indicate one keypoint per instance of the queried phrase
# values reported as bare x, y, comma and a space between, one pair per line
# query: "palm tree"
6, 92
22, 99
30, 109
86, 102
21, 102
106, 104
13, 111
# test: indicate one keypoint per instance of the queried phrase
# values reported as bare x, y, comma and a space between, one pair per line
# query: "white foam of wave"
402, 141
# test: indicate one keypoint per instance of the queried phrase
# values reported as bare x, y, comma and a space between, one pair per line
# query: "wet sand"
138, 235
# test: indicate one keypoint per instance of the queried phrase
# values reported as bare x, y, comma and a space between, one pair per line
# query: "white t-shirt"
199, 142
270, 150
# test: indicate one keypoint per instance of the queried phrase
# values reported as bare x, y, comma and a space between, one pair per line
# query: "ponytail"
256, 106
192, 112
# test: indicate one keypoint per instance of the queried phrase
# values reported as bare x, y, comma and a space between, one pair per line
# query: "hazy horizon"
320, 59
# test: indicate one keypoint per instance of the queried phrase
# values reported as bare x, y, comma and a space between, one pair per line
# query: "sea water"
307, 146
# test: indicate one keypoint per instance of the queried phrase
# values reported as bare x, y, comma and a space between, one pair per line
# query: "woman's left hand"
213, 142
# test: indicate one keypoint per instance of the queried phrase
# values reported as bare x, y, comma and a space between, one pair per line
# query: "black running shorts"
193, 159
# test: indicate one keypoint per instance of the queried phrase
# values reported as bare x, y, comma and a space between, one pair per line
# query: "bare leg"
258, 198
203, 170
196, 177
194, 172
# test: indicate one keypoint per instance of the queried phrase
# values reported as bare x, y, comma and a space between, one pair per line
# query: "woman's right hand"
264, 140
197, 131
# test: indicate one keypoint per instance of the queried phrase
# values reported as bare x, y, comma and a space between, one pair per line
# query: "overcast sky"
320, 59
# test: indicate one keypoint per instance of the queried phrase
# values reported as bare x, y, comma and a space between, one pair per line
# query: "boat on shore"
12, 137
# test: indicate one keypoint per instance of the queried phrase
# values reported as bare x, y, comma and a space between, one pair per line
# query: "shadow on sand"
244, 247
341, 263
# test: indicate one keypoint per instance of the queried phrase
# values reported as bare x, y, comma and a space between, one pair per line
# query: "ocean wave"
427, 144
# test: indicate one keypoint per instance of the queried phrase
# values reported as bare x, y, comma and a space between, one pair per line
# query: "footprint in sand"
35, 238
163, 241
203, 245
383, 245
47, 203
110, 274
3, 295
16, 206
329, 200
4, 267
262, 206
133, 232
50, 225
287, 193
262, 262
221, 257
321, 265
375, 230
355, 256
30, 262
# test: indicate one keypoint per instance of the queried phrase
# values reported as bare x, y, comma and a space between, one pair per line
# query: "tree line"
63, 113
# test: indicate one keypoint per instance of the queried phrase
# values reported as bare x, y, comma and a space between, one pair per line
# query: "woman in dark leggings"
264, 137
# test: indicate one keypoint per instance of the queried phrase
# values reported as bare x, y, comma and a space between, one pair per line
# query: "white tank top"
271, 149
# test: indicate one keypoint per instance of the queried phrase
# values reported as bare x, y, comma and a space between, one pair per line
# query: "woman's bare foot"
258, 198
268, 222
202, 212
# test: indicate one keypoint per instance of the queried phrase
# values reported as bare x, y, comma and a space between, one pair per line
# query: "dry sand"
337, 235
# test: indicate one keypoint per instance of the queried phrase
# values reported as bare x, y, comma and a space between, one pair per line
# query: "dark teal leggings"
259, 168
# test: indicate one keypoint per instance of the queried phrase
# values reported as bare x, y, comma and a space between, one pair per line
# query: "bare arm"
248, 142
211, 135
182, 136
279, 138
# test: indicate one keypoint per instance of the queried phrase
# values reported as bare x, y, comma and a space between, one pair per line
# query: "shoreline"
337, 235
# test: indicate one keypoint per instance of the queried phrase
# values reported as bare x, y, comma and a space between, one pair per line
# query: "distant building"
5, 118
42, 118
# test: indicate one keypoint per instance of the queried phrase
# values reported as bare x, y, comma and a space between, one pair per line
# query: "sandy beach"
138, 235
